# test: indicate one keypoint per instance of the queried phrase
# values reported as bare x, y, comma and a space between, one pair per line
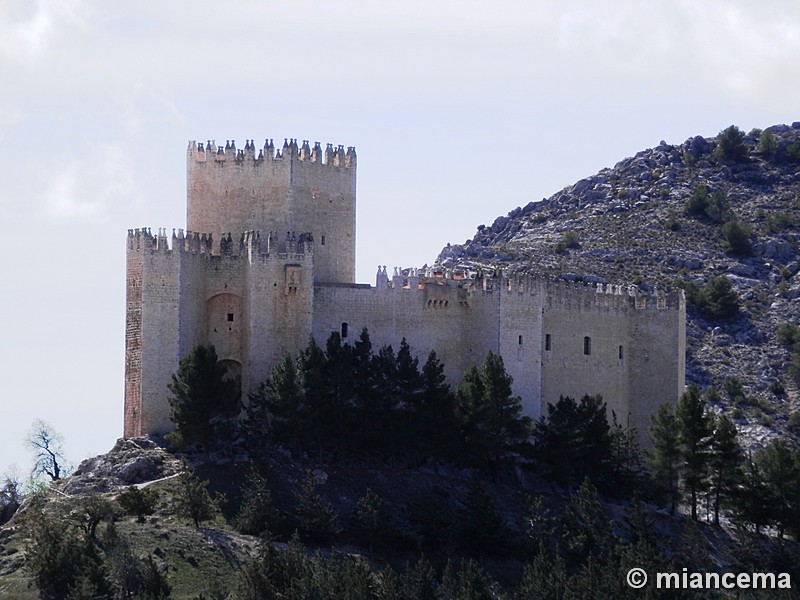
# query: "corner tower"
300, 189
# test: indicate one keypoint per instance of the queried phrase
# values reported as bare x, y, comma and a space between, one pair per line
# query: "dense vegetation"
438, 543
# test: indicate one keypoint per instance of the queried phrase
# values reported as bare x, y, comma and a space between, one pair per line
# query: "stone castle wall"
294, 189
621, 344
252, 305
277, 265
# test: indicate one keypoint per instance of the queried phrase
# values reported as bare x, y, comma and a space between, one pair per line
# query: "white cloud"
83, 188
753, 50
27, 28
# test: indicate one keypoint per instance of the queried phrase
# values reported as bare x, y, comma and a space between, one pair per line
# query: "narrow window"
520, 340
323, 240
547, 342
344, 330
230, 317
587, 345
620, 353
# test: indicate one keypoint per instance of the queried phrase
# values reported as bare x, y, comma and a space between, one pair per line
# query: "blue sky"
460, 112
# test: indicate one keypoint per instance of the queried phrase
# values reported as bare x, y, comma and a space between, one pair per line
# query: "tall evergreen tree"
200, 391
255, 423
780, 471
482, 530
286, 402
586, 529
695, 438
574, 440
432, 410
753, 502
317, 412
193, 500
491, 415
665, 457
724, 465
315, 519
338, 372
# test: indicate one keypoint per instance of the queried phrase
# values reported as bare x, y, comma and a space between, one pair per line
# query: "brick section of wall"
133, 338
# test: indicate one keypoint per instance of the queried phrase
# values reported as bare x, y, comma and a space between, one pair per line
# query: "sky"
460, 111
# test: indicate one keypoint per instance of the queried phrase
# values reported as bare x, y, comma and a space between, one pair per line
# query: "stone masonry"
268, 259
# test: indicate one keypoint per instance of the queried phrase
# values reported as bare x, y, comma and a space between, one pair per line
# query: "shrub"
788, 334
696, 204
733, 387
778, 222
736, 239
138, 502
730, 146
571, 240
767, 146
673, 224
719, 299
701, 204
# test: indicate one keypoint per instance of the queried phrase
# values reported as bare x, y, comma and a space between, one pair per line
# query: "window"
230, 317
587, 345
620, 353
323, 240
520, 340
547, 342
344, 330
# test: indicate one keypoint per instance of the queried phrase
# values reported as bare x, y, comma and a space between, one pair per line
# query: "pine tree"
314, 518
200, 391
285, 402
694, 437
779, 468
586, 528
544, 579
382, 412
338, 386
255, 424
731, 146
317, 412
467, 581
574, 440
432, 411
725, 465
494, 430
753, 502
371, 520
665, 456
192, 499
483, 531
257, 512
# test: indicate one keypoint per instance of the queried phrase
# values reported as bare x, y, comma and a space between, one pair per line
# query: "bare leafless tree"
47, 446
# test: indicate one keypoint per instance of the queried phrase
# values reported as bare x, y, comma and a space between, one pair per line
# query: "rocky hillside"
634, 224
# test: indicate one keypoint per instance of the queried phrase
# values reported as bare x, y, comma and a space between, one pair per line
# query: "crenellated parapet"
581, 296
249, 243
334, 156
561, 294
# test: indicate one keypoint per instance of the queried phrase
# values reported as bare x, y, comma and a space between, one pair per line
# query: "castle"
268, 259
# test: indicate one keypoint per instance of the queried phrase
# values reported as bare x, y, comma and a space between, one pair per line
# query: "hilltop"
634, 224
409, 521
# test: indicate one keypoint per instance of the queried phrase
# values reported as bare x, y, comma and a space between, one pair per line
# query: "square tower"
297, 189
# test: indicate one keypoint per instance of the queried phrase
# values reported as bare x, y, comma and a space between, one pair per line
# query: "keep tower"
294, 189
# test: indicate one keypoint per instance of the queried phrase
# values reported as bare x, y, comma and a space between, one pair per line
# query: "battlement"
608, 296
561, 294
250, 243
332, 156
